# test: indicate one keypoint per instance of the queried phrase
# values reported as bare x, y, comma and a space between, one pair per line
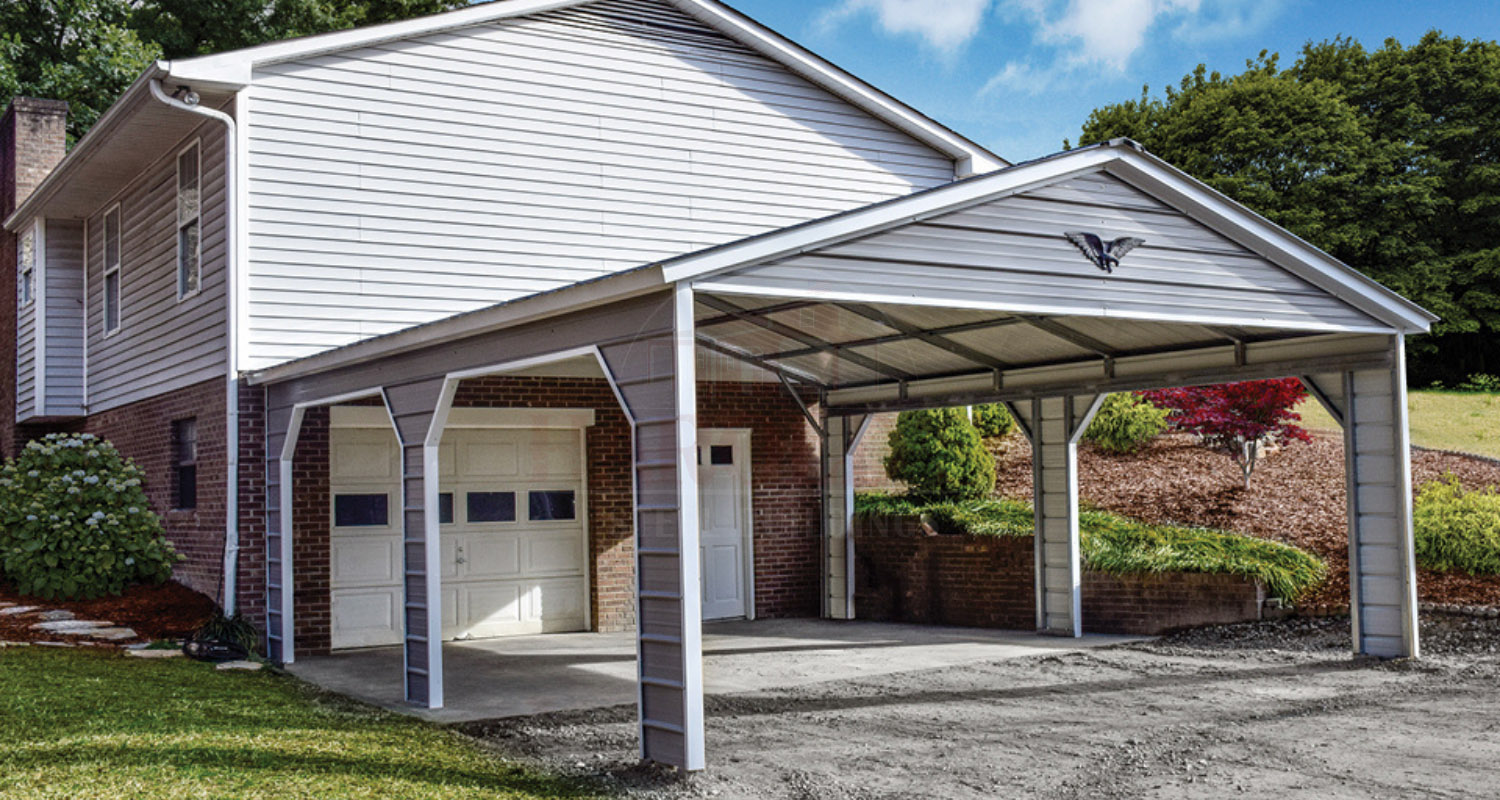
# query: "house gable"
410, 180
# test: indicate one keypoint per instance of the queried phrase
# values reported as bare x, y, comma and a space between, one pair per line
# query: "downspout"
231, 349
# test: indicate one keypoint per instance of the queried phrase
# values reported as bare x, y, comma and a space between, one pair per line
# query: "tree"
992, 420
1389, 160
939, 456
88, 51
1236, 418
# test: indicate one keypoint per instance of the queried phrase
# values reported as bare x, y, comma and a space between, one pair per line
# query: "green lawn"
88, 724
1468, 422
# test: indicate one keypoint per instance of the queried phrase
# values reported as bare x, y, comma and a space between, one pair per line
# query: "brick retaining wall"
904, 574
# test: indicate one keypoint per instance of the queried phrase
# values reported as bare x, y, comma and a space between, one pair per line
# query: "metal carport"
962, 294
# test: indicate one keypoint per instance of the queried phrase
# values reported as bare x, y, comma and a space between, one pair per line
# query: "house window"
550, 505
361, 510
112, 270
189, 221
185, 463
26, 267
490, 506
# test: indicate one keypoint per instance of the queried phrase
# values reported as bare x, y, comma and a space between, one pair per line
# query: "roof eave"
113, 118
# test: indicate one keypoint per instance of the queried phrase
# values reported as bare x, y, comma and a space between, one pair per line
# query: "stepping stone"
155, 653
70, 626
110, 634
18, 610
241, 665
56, 615
6, 605
53, 644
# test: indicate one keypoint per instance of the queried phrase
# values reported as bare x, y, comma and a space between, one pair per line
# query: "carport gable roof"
1199, 245
997, 242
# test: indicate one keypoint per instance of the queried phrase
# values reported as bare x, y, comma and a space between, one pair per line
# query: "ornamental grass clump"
1457, 530
75, 522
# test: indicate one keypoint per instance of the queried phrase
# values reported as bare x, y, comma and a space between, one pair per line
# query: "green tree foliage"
75, 522
993, 420
1125, 423
939, 456
1389, 160
88, 51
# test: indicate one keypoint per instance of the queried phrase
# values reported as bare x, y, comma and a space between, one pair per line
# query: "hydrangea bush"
74, 521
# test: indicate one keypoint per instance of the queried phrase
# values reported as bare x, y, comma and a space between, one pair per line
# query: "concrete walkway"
521, 675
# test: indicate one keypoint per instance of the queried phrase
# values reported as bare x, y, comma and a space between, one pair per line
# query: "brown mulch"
1296, 496
168, 611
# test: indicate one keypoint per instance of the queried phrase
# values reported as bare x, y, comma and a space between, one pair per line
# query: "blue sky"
1020, 75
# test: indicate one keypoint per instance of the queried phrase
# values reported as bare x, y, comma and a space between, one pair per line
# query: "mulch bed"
168, 611
1296, 496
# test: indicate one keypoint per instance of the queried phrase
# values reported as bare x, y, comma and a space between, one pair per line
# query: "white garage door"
513, 526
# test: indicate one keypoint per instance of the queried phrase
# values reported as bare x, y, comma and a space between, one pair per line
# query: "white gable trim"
233, 70
1123, 160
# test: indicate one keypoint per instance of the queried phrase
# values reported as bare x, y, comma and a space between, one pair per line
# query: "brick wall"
33, 139
784, 496
869, 457
142, 431
905, 574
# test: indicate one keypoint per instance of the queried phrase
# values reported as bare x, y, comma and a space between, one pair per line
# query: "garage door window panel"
361, 510
483, 507
552, 505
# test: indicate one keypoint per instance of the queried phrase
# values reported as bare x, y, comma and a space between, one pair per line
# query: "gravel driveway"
1275, 709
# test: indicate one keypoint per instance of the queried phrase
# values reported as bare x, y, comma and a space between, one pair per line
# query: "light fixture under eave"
186, 95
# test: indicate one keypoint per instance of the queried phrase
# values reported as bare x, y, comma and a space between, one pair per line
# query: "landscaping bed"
166, 611
1296, 497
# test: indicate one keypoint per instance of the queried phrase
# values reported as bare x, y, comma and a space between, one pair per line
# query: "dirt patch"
1274, 709
168, 611
1296, 496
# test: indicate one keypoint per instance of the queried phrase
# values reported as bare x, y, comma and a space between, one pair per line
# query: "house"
548, 315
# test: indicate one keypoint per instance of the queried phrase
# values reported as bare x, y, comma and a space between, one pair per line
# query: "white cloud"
1102, 33
945, 25
1227, 19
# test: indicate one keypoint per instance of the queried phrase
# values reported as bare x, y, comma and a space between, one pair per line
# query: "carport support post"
1371, 405
841, 436
417, 409
1054, 425
282, 430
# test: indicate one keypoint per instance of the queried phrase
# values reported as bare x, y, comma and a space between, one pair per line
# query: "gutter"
231, 345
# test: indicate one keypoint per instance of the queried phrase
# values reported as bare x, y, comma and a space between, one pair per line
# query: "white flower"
130, 562
91, 479
98, 515
91, 521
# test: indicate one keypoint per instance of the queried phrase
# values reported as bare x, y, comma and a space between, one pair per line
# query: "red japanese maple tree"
1236, 418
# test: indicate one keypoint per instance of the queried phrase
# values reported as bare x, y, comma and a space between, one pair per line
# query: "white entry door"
724, 523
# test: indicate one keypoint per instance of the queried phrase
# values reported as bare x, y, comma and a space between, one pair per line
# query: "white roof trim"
1121, 159
234, 69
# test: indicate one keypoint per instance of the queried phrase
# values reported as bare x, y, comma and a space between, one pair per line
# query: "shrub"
1481, 382
74, 521
1457, 530
1235, 418
993, 420
1125, 423
939, 456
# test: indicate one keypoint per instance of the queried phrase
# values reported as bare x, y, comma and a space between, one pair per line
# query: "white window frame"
196, 145
112, 269
26, 273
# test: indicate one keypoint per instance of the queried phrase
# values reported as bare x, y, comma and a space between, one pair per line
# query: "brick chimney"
33, 139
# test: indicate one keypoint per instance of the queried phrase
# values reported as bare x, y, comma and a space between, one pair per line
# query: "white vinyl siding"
63, 318
26, 318
1011, 255
401, 183
163, 343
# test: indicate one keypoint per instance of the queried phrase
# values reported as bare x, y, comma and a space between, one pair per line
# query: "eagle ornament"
1105, 256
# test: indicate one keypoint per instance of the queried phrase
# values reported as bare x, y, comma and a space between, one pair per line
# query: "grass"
1468, 422
81, 723
1114, 544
